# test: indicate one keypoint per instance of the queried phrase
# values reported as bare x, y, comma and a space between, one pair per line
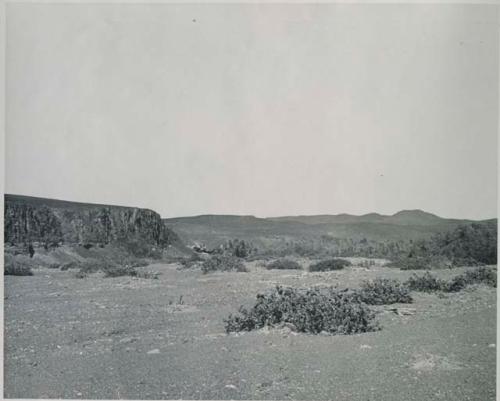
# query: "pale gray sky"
252, 109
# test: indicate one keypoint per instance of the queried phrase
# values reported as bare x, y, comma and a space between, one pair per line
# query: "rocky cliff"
52, 222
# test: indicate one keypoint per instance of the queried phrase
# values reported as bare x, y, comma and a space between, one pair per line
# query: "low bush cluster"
147, 274
382, 291
330, 264
192, 261
425, 283
126, 267
13, 267
223, 263
430, 283
119, 271
283, 264
306, 310
480, 275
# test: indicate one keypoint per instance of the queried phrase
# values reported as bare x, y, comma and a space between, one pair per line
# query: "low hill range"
50, 220
403, 225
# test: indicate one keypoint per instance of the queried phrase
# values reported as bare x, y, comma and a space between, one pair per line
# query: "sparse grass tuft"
223, 263
305, 310
283, 264
330, 264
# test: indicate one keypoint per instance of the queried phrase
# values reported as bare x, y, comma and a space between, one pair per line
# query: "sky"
265, 110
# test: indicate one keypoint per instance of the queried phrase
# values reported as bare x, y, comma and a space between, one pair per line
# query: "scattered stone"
403, 311
154, 351
365, 346
491, 346
127, 340
231, 386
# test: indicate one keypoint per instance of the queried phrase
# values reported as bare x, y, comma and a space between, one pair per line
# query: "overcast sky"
264, 110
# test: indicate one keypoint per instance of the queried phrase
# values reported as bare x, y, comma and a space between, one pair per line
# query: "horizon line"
248, 215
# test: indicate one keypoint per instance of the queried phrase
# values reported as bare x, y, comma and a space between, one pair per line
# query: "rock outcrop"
52, 222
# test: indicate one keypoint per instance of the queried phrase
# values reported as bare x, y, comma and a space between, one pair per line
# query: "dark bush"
119, 271
13, 267
305, 310
458, 283
481, 275
192, 261
81, 274
430, 283
283, 264
425, 283
383, 291
69, 265
147, 275
330, 264
223, 263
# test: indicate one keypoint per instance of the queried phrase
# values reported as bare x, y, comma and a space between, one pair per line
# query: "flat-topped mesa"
52, 222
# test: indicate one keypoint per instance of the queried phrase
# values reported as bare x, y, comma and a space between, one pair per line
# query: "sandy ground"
164, 339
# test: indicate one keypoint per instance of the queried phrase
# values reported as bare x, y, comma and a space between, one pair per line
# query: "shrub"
367, 263
383, 291
69, 265
118, 271
330, 264
425, 283
223, 263
147, 275
15, 268
429, 283
192, 261
480, 275
81, 274
305, 310
283, 264
458, 283
132, 262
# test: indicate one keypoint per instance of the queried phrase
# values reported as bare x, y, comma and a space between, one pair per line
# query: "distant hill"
404, 225
404, 217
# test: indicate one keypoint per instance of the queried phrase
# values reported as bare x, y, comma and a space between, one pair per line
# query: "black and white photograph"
250, 201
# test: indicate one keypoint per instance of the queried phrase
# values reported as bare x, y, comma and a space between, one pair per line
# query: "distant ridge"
404, 217
403, 225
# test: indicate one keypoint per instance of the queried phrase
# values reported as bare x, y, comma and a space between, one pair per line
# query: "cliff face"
52, 222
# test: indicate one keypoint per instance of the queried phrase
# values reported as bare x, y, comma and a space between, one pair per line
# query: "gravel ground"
164, 339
